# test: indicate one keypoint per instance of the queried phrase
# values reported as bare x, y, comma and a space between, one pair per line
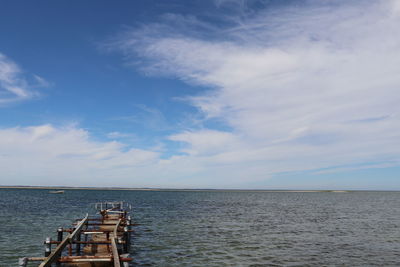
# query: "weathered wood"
36, 258
115, 252
98, 224
78, 227
116, 228
87, 260
57, 252
102, 237
85, 242
76, 259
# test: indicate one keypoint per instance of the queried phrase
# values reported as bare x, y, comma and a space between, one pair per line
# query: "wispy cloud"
40, 81
287, 81
118, 135
13, 85
147, 117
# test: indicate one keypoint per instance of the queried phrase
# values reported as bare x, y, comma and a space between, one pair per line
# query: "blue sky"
200, 94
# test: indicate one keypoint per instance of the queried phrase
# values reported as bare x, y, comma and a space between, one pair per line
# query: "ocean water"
219, 228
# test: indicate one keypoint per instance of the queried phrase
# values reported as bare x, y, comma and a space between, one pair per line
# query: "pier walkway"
102, 240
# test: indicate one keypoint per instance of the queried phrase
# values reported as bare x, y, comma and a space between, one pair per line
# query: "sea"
219, 228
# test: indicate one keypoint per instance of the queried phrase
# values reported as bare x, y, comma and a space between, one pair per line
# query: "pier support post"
60, 234
47, 248
129, 222
22, 262
78, 245
127, 240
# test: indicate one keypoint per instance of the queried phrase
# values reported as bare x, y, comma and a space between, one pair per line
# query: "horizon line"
118, 188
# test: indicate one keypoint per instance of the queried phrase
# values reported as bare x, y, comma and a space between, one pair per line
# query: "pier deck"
102, 240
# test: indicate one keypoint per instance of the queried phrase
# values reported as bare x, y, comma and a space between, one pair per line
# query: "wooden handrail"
116, 228
114, 247
78, 227
57, 252
114, 250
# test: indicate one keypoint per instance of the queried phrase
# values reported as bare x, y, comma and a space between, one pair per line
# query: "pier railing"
68, 240
108, 234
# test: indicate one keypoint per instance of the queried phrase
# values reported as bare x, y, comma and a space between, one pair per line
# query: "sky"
236, 94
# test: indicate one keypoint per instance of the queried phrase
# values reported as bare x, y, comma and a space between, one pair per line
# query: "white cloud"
116, 135
49, 155
311, 88
13, 85
67, 156
301, 87
205, 142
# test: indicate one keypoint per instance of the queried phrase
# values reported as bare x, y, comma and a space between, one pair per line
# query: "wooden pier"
102, 240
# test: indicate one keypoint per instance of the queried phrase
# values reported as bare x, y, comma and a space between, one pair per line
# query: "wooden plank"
114, 247
114, 250
57, 252
116, 228
78, 227
86, 260
79, 258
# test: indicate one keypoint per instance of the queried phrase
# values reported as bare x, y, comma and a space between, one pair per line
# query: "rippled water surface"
220, 228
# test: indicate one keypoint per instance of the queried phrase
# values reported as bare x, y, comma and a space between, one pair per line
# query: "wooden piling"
60, 232
47, 249
22, 262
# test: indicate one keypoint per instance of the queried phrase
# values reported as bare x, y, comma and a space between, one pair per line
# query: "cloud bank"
302, 87
308, 88
66, 156
69, 155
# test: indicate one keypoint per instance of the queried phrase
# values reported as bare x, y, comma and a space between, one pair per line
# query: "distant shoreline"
185, 190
